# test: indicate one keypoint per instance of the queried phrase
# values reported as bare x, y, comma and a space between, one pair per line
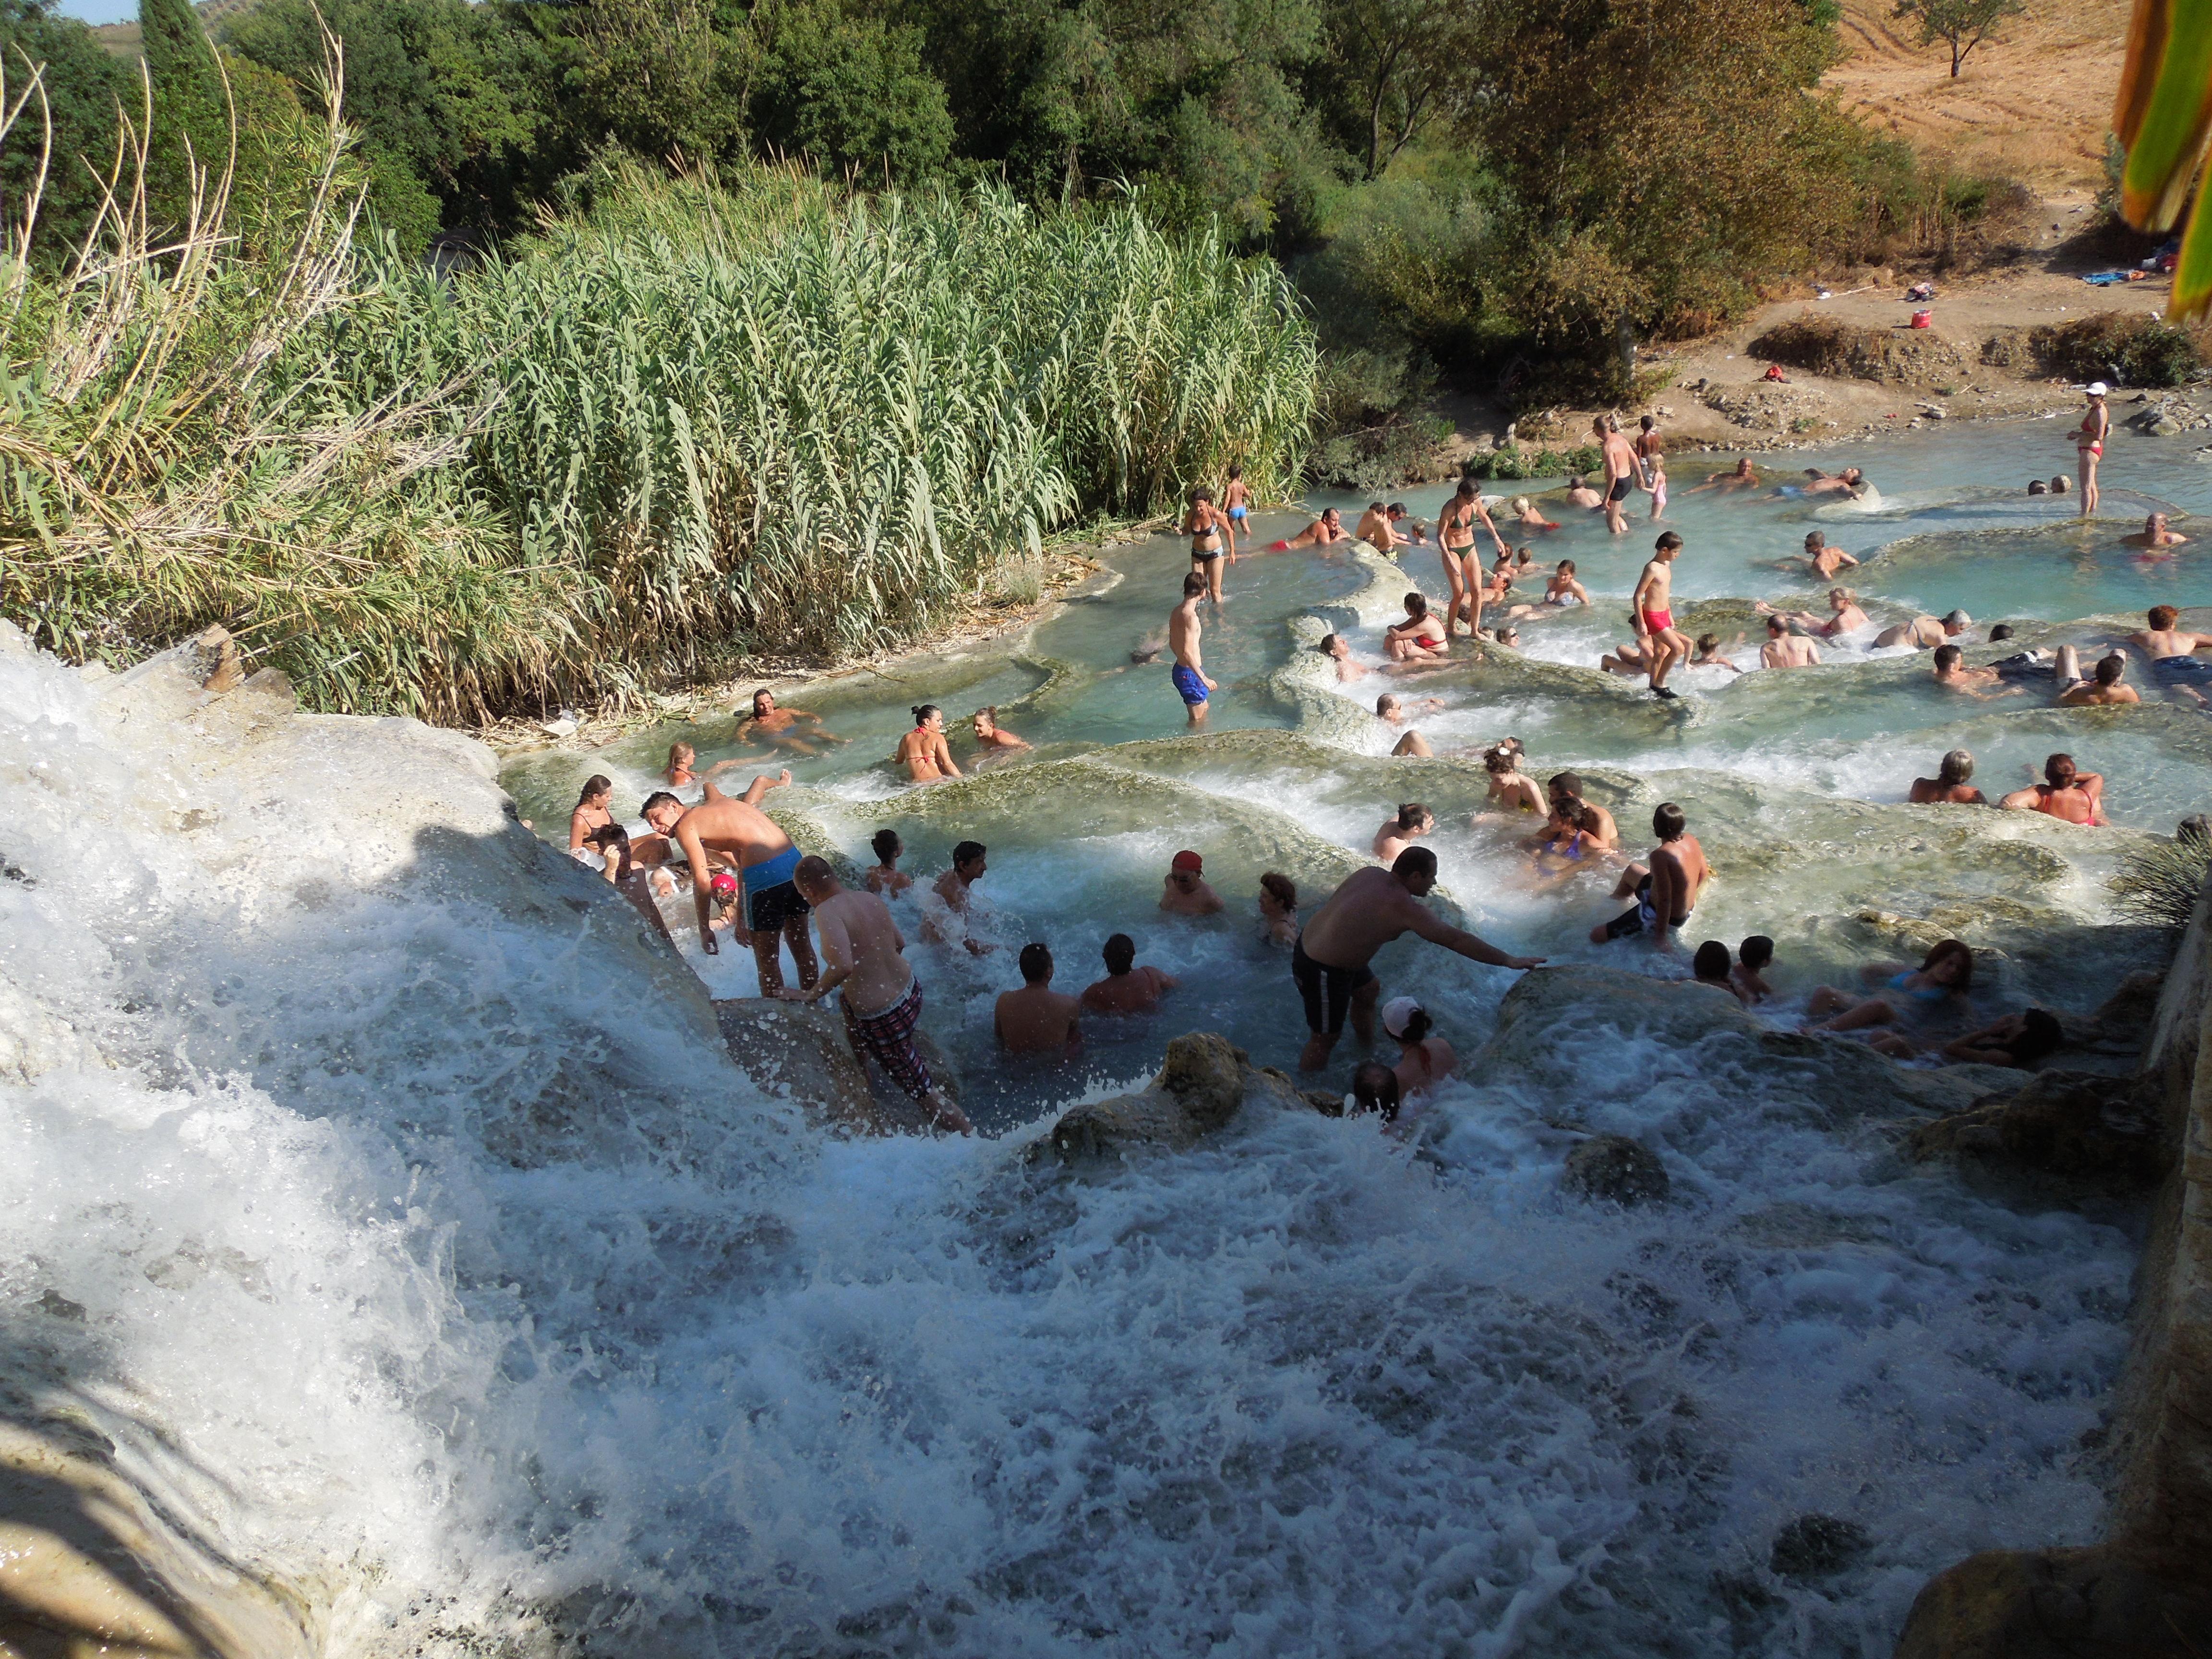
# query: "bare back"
722, 824
1362, 916
859, 935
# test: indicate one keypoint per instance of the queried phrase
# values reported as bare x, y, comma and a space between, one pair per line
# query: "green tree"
191, 123
657, 76
83, 84
850, 90
1400, 65
1961, 24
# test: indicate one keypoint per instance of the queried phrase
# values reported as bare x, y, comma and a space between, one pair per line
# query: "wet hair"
886, 845
1711, 964
1411, 814
1375, 1088
1668, 541
1375, 506
1396, 506
676, 748
1418, 1026
1036, 962
2110, 669
2040, 1034
1327, 639
922, 711
813, 872
2001, 631
1668, 821
1755, 952
609, 834
1848, 596
1518, 504
594, 784
1236, 471
757, 695
1193, 584
1466, 489
1574, 481
1948, 656
1417, 605
2163, 616
1201, 493
1566, 567
1957, 619
1955, 768
1384, 704
967, 853
989, 712
1775, 626
1816, 539
2037, 487
1414, 862
1708, 642
2057, 765
1944, 951
1498, 760
1120, 951
1285, 890
658, 799
2060, 483
1567, 783
1647, 423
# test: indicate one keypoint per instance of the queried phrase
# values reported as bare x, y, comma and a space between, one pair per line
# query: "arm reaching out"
1433, 928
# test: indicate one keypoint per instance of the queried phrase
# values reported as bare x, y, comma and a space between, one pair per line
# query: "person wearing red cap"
1185, 892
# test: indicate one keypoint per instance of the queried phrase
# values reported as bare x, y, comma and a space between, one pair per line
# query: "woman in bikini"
591, 812
1206, 525
923, 750
1510, 786
1567, 840
1456, 534
1939, 986
679, 772
2089, 444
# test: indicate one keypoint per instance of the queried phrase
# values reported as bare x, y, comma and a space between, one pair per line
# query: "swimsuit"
771, 899
1188, 683
1925, 994
1619, 490
889, 1036
2180, 668
1635, 920
1319, 984
1237, 513
1658, 621
2024, 666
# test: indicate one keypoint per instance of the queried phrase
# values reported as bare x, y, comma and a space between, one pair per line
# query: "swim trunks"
1619, 490
1637, 919
2024, 666
1658, 621
1325, 991
889, 1036
1237, 513
1188, 683
2181, 668
771, 899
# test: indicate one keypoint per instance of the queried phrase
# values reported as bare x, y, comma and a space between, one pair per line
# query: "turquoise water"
1793, 780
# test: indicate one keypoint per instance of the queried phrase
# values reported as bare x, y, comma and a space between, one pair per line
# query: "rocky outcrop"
1204, 1085
2082, 1126
1618, 1170
2146, 1592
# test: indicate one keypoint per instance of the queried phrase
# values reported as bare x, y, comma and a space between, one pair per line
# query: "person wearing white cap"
1423, 1059
2089, 443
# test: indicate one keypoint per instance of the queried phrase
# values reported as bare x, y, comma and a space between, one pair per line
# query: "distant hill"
122, 41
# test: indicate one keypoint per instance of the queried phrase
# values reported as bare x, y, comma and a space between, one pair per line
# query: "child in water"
1753, 958
1655, 486
1279, 908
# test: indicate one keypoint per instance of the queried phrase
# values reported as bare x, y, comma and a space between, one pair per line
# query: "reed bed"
690, 419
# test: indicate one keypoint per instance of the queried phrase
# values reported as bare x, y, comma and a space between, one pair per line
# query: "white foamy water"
434, 1259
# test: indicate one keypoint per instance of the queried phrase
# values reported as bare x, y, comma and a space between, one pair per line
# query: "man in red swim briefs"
1653, 601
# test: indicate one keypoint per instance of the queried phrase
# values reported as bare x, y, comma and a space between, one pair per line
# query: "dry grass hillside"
2033, 101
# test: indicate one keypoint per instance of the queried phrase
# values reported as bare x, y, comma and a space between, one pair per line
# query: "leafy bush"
1821, 345
2160, 883
1509, 464
2126, 348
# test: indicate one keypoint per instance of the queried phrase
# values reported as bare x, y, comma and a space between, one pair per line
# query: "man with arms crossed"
1190, 681
882, 998
1653, 602
1372, 908
765, 859
1666, 890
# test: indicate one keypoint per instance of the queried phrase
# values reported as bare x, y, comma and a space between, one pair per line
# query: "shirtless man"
1184, 892
2076, 797
1412, 531
1579, 493
968, 863
1653, 602
1395, 711
2172, 651
1419, 637
2154, 534
1565, 789
1206, 525
775, 908
1819, 558
881, 999
992, 738
1037, 1020
1952, 674
1784, 649
1622, 472
1377, 532
1746, 477
2105, 686
1844, 615
1370, 909
1323, 531
1189, 674
769, 727
1126, 988
1666, 890
1850, 482
1409, 825
1463, 574
1949, 787
1924, 633
923, 751
1338, 650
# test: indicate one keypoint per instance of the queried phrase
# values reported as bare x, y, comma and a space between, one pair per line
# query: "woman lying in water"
1939, 986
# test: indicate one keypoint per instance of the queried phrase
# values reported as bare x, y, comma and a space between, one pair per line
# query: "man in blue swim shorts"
775, 911
1189, 676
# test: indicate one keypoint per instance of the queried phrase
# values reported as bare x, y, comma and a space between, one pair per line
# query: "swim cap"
1189, 860
723, 887
1398, 1014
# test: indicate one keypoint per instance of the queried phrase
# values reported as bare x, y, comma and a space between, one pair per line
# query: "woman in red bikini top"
2089, 444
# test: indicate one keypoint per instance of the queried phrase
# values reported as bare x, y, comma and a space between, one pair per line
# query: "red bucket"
1923, 319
